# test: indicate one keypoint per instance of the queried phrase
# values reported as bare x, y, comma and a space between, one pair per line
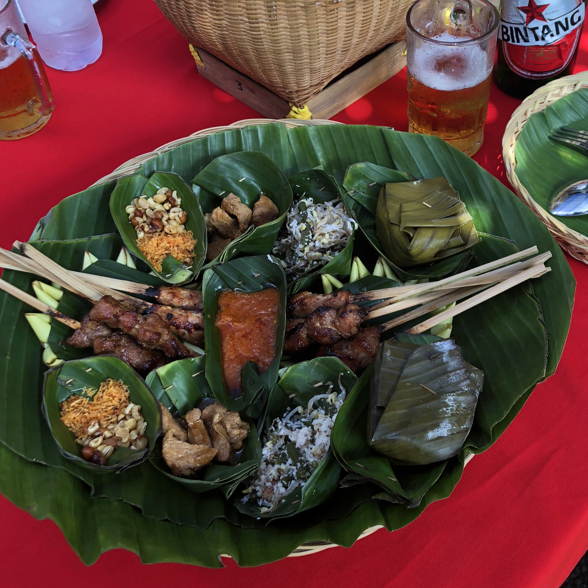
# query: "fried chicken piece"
216, 245
264, 211
305, 303
211, 411
197, 434
232, 205
178, 297
209, 227
188, 324
220, 441
356, 353
325, 326
237, 429
170, 425
184, 459
227, 226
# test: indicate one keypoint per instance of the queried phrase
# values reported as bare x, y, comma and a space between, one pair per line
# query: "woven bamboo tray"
570, 241
130, 167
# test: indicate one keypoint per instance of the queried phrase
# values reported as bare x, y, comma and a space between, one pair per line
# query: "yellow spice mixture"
104, 406
156, 247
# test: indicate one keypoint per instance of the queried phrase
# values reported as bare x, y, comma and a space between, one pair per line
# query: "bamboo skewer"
532, 272
35, 303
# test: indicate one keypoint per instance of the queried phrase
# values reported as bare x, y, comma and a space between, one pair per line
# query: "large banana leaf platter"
516, 338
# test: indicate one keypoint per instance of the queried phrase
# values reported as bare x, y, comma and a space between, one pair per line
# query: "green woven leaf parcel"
423, 221
423, 399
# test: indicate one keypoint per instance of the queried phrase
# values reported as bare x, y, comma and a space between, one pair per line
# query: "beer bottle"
537, 42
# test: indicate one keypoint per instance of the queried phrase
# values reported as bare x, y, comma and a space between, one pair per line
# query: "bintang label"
539, 40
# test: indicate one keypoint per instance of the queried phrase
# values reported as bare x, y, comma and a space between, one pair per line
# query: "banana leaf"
185, 387
427, 394
546, 168
321, 187
297, 387
173, 271
247, 175
251, 274
363, 184
352, 450
127, 513
72, 378
109, 268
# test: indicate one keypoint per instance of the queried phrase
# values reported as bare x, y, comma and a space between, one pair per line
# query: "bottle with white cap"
66, 32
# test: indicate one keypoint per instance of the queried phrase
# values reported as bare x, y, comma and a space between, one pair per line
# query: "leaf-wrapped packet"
423, 221
181, 386
76, 378
246, 175
422, 401
296, 437
173, 271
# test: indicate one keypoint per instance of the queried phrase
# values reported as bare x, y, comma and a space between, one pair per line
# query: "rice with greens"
294, 446
314, 234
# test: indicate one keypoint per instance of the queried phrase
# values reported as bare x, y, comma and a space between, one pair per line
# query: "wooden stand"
352, 84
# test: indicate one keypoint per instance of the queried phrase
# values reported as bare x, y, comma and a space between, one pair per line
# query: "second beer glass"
450, 53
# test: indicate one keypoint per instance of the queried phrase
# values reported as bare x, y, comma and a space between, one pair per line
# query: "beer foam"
449, 68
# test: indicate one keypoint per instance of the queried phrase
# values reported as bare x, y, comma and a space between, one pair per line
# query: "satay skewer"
40, 306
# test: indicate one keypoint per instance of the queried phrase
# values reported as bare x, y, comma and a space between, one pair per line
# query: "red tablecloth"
519, 516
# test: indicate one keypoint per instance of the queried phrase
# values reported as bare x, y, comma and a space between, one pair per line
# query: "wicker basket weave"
570, 241
292, 47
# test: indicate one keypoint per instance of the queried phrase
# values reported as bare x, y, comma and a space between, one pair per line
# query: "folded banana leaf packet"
423, 221
422, 401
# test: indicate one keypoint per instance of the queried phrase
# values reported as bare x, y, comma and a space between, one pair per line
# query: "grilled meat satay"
104, 340
356, 353
177, 297
304, 304
188, 324
324, 326
149, 330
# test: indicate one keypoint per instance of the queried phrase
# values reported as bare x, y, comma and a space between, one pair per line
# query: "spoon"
573, 201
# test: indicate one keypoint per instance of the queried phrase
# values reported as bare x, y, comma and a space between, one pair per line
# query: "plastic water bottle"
66, 32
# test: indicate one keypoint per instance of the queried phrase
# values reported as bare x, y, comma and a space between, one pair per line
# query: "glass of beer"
26, 102
450, 54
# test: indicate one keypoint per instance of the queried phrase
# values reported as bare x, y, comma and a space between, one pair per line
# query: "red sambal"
247, 326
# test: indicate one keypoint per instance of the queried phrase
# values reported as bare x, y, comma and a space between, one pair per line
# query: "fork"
577, 140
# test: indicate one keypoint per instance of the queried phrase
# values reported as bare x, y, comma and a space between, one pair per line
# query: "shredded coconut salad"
294, 446
315, 233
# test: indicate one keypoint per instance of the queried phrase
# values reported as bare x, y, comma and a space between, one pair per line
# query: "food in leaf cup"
161, 222
101, 413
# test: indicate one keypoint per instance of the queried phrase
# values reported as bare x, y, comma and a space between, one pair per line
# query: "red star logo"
533, 11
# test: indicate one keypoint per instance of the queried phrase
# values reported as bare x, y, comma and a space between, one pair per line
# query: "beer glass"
26, 102
450, 54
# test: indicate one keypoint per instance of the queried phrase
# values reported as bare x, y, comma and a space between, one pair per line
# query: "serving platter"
143, 511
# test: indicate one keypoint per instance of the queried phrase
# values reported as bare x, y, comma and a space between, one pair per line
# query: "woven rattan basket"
571, 241
292, 47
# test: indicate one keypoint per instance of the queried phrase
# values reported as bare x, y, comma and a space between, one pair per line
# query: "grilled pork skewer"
188, 324
91, 334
